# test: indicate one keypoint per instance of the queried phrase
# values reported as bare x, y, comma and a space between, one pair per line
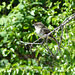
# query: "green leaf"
30, 17
9, 6
4, 4
21, 6
48, 19
36, 3
36, 53
5, 52
3, 33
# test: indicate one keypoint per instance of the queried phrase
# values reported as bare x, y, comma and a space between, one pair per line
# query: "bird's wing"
46, 31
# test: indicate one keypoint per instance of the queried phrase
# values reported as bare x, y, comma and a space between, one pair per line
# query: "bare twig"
30, 43
63, 24
46, 35
61, 34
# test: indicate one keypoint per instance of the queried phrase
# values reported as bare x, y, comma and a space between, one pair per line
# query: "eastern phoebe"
41, 30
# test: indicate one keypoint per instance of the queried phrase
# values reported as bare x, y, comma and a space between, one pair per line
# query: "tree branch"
46, 35
63, 24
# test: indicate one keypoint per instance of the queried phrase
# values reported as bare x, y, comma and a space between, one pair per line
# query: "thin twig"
46, 35
63, 24
30, 43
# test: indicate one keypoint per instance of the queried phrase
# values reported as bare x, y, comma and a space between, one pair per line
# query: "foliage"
16, 25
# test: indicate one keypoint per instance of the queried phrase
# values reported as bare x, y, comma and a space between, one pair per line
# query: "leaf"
30, 17
4, 62
5, 52
4, 4
36, 3
5, 39
25, 27
3, 20
9, 6
36, 53
32, 12
19, 16
48, 19
21, 6
3, 33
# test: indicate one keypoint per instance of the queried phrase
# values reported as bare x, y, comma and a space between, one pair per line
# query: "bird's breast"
39, 32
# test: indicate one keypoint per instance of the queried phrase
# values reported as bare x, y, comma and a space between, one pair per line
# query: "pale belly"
39, 33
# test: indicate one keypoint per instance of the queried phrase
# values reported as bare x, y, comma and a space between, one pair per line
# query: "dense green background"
16, 19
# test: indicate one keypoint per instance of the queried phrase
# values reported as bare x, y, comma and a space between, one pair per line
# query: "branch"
30, 43
63, 24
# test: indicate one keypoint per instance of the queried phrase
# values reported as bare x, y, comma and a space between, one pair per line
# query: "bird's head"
38, 25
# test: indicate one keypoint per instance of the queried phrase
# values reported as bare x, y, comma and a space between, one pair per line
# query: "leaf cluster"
15, 26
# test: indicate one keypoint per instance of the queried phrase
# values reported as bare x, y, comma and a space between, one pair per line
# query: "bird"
41, 30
